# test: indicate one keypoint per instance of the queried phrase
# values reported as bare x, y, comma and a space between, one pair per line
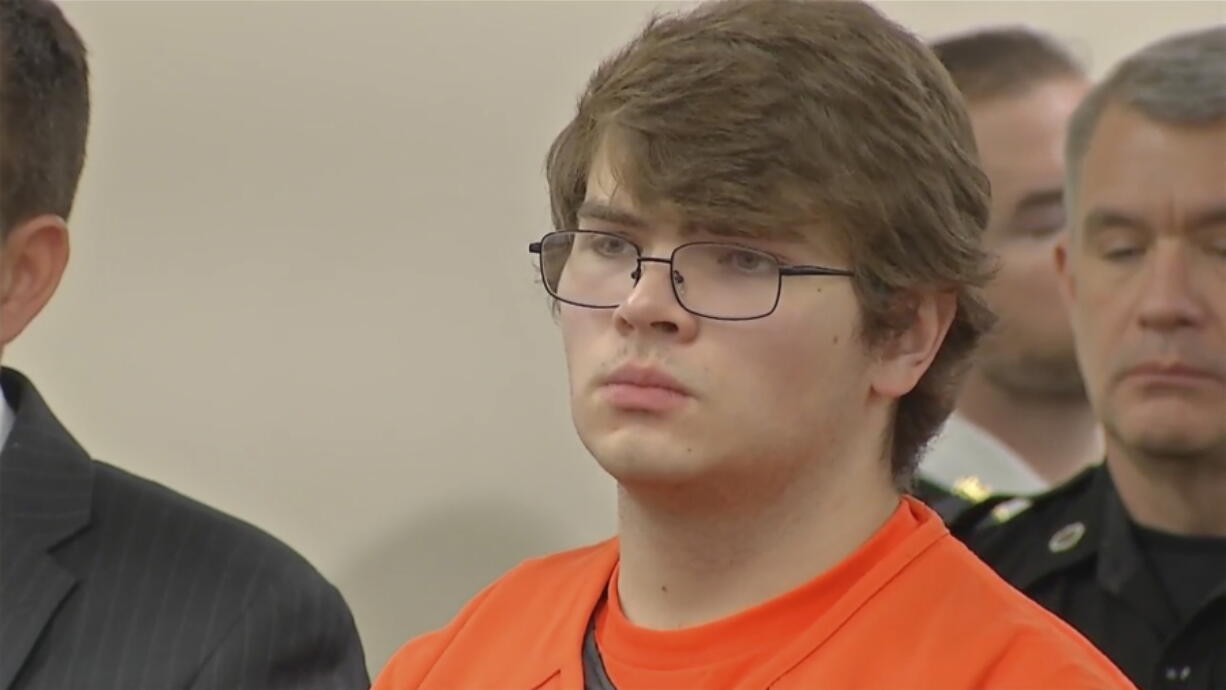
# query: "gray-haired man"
1133, 553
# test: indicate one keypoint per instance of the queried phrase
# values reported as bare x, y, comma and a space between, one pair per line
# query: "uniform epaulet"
1007, 510
990, 511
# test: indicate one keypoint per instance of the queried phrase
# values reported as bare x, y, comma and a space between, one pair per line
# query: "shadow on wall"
420, 575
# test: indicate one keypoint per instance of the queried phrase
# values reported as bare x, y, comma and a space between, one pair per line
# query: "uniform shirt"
910, 608
1077, 552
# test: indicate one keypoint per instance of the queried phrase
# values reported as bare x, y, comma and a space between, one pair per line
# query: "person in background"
110, 581
1133, 552
1022, 421
765, 260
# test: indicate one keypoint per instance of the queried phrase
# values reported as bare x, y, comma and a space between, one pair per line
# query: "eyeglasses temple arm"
813, 271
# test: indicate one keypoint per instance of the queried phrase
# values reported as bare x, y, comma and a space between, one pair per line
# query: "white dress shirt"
963, 451
6, 420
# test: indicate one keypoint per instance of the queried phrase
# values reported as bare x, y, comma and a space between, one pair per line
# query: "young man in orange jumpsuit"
766, 264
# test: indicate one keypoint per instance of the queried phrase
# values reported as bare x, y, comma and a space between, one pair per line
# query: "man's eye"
1039, 224
1040, 232
1121, 253
1120, 245
607, 245
746, 261
1218, 247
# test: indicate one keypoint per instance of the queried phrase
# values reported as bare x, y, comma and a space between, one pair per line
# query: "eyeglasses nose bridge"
675, 275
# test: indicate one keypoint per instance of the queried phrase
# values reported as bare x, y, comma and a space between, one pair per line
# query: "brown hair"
776, 114
1004, 61
44, 111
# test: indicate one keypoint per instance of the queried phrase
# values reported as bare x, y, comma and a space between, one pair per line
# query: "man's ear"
905, 356
32, 261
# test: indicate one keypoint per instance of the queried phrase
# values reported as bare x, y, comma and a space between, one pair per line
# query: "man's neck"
681, 567
1057, 436
1175, 495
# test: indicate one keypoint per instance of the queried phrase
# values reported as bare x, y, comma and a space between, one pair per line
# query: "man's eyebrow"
734, 231
599, 210
1098, 218
1039, 199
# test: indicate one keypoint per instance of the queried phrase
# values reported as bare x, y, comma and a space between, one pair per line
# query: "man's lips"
643, 388
1173, 373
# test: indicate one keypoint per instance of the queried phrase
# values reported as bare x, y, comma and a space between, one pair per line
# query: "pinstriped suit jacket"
109, 581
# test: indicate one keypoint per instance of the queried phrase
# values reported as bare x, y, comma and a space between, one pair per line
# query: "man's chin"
1057, 377
1169, 434
1177, 446
640, 455
646, 473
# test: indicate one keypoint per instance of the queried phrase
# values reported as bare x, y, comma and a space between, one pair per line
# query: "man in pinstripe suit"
108, 580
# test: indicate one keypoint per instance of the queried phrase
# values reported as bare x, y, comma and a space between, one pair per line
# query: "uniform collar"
1095, 526
1119, 560
1075, 533
1123, 568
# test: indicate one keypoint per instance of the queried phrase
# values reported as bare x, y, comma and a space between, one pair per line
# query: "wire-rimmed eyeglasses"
715, 280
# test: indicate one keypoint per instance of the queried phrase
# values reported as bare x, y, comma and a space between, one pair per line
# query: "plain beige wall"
300, 290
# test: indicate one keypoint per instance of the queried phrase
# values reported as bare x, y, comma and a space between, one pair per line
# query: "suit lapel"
33, 587
46, 492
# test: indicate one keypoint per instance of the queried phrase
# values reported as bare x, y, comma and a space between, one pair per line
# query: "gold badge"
1066, 537
971, 488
